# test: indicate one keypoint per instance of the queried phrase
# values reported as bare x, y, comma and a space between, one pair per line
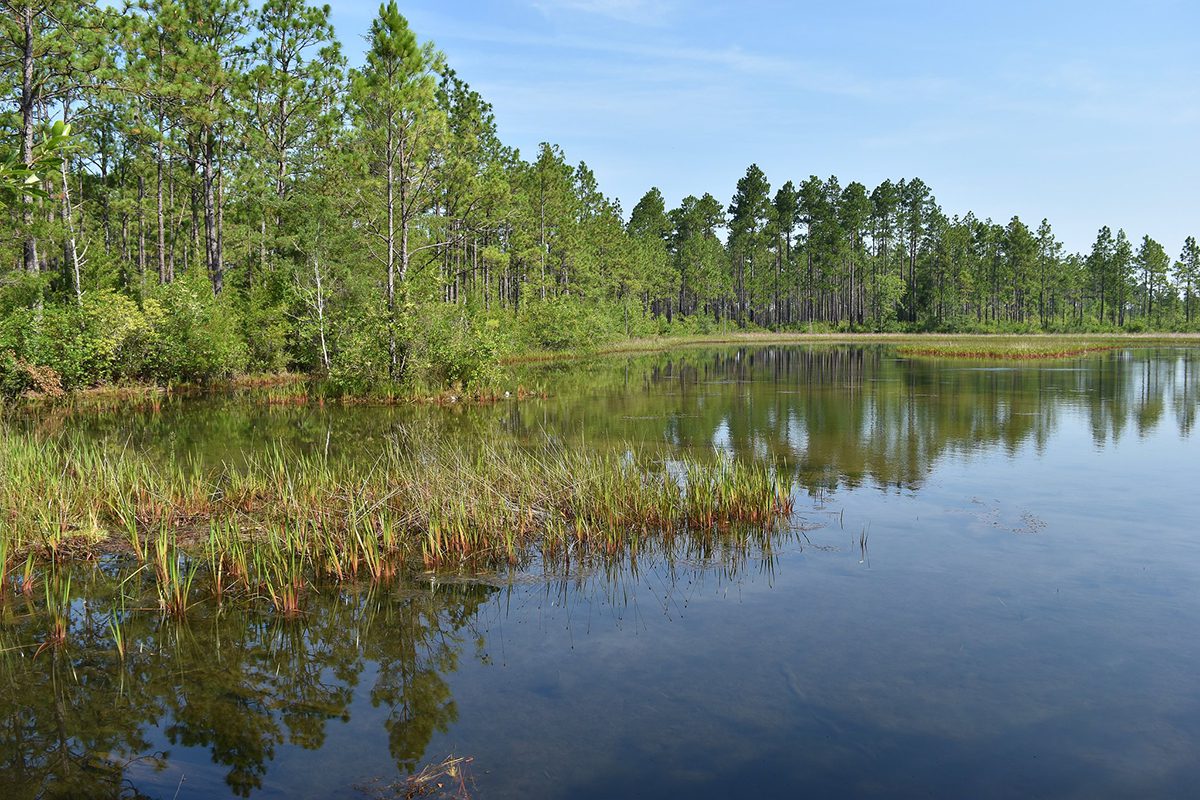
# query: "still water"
990, 588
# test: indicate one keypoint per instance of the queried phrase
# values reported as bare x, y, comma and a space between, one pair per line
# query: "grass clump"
1026, 349
273, 526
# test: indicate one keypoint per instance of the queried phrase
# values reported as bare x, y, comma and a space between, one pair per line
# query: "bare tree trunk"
221, 226
162, 232
171, 201
262, 248
70, 251
542, 235
141, 225
405, 255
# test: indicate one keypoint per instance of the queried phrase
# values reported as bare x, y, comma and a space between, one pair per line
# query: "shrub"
114, 330
455, 347
565, 323
85, 343
195, 334
264, 323
359, 359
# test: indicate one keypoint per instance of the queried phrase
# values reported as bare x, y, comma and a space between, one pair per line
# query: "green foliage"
19, 180
360, 363
456, 348
693, 325
567, 323
262, 317
96, 341
195, 334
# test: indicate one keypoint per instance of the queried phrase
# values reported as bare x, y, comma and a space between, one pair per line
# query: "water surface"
990, 588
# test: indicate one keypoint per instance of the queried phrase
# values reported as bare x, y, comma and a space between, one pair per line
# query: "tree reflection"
844, 415
832, 415
235, 681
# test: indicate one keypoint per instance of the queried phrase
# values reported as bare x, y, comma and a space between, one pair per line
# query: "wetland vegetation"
262, 526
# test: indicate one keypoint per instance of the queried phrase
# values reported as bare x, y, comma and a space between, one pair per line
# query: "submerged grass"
271, 527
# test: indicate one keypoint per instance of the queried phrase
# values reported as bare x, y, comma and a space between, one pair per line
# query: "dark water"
991, 588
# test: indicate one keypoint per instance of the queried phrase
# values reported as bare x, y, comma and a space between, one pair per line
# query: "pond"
989, 587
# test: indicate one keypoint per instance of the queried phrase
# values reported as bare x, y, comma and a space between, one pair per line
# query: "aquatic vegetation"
1022, 348
449, 778
269, 527
58, 608
5, 557
280, 569
957, 345
174, 574
116, 629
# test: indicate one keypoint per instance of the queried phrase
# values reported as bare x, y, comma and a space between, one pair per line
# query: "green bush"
699, 324
264, 324
455, 347
359, 358
86, 343
14, 378
566, 323
196, 336
1136, 326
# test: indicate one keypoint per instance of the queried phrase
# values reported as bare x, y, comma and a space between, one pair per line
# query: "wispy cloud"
689, 64
638, 12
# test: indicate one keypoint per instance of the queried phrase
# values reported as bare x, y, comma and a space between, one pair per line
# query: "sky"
1086, 113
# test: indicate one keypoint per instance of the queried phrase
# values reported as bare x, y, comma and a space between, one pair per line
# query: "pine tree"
1153, 262
1049, 266
786, 208
749, 213
699, 255
402, 132
854, 210
292, 97
1187, 273
1020, 255
212, 57
1121, 272
1099, 268
651, 230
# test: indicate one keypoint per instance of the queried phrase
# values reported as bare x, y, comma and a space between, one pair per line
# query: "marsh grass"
174, 573
1009, 350
276, 526
983, 345
58, 608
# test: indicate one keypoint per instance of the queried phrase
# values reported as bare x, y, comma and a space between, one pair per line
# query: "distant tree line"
233, 198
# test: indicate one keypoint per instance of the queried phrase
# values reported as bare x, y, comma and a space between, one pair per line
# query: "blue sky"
1085, 113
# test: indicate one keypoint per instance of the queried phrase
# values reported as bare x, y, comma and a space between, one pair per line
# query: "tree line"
232, 197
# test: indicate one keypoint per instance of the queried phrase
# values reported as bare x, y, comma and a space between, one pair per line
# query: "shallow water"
990, 588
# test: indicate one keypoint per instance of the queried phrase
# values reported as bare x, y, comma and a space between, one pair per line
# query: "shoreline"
974, 346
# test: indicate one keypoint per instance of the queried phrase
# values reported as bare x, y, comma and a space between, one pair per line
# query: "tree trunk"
163, 277
391, 255
70, 251
212, 259
220, 198
321, 314
28, 101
